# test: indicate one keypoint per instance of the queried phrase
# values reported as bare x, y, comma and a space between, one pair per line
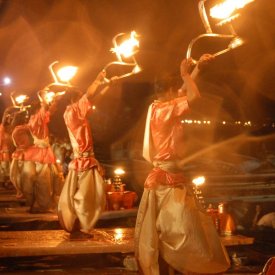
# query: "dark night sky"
238, 85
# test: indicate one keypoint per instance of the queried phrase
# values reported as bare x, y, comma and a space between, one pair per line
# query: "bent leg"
66, 211
28, 176
90, 199
43, 187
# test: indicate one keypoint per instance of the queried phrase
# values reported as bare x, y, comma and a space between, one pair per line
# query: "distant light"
6, 80
94, 107
0, 94
224, 122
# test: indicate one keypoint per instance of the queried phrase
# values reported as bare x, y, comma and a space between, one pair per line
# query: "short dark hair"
165, 82
72, 95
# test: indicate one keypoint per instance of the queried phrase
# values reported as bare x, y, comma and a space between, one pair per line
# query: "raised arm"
191, 90
203, 61
95, 85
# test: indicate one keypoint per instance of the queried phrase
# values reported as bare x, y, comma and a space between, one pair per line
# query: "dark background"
236, 86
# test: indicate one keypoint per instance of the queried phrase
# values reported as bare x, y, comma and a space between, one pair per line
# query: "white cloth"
267, 220
83, 198
147, 141
170, 224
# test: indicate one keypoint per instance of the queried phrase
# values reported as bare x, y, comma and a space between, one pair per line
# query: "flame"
118, 234
199, 180
49, 96
237, 42
128, 47
119, 171
227, 8
136, 69
21, 99
67, 73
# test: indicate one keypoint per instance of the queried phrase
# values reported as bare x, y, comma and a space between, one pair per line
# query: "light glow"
49, 96
7, 81
227, 8
119, 172
127, 48
118, 234
21, 99
65, 74
136, 69
236, 42
199, 180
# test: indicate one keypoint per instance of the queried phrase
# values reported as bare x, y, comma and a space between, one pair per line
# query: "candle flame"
227, 8
118, 234
199, 180
119, 171
128, 47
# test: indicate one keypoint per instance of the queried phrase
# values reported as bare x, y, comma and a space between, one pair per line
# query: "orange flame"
128, 47
227, 8
21, 99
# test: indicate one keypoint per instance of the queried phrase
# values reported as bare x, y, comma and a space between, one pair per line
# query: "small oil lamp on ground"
119, 198
198, 181
115, 196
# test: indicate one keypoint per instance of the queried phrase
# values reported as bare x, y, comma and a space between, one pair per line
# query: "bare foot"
78, 235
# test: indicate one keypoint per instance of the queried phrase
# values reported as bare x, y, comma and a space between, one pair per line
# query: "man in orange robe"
6, 146
83, 196
41, 181
22, 140
170, 225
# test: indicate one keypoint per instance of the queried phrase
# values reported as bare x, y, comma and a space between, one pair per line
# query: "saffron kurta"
41, 181
169, 221
6, 149
83, 194
22, 140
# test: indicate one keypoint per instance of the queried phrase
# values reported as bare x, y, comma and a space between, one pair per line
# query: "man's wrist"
184, 76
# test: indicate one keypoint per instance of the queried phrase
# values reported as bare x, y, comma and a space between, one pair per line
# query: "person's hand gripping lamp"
225, 13
125, 53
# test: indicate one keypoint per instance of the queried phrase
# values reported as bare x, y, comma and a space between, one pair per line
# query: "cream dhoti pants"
82, 198
169, 223
4, 170
40, 183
